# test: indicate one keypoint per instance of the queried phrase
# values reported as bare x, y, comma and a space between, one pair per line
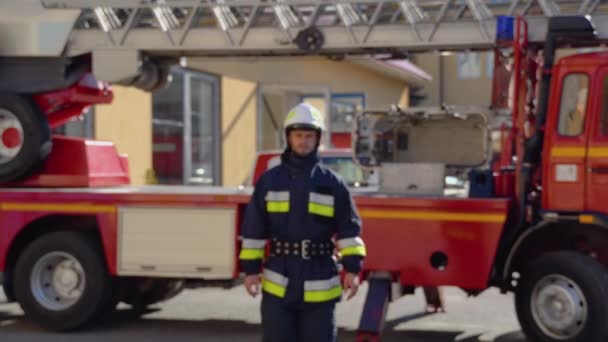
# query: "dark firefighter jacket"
301, 202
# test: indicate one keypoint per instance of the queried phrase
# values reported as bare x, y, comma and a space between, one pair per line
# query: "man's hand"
252, 284
350, 285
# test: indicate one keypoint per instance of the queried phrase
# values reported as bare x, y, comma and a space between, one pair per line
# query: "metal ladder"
288, 27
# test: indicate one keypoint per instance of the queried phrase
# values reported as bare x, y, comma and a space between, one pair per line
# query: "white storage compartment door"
177, 242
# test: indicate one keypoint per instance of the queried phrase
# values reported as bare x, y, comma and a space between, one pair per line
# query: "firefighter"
298, 207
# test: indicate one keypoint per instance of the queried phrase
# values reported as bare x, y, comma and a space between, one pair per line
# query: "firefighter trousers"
303, 324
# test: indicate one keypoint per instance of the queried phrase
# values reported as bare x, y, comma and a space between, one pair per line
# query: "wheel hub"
57, 281
559, 307
11, 136
66, 279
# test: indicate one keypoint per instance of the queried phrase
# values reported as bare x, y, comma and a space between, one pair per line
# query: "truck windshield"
346, 167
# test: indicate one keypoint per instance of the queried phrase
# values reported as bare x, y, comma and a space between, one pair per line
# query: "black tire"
97, 299
36, 137
8, 292
142, 292
570, 274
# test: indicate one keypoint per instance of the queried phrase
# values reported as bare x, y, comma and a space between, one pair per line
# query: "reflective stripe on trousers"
315, 291
274, 283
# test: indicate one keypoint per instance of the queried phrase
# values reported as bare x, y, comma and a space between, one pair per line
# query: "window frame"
563, 98
334, 97
187, 75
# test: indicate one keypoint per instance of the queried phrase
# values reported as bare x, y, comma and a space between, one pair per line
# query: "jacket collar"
297, 164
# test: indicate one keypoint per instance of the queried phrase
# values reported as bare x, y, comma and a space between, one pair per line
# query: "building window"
185, 130
343, 109
573, 105
468, 65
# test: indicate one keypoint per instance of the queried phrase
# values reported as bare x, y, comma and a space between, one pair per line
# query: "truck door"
567, 145
597, 154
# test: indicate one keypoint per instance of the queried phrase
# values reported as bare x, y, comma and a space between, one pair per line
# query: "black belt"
304, 249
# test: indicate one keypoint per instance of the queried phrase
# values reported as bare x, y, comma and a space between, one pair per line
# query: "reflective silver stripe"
320, 285
277, 196
350, 242
321, 199
254, 243
275, 277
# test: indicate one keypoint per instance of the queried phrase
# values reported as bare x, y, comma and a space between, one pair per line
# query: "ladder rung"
250, 27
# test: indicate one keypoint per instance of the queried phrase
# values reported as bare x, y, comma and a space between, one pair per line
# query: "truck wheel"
8, 292
140, 293
25, 137
61, 281
563, 296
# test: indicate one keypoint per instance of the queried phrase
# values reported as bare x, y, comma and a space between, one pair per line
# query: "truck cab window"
573, 105
604, 117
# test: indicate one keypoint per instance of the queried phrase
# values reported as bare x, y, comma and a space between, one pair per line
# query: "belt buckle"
305, 249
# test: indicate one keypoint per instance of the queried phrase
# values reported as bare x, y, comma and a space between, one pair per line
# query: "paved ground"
230, 315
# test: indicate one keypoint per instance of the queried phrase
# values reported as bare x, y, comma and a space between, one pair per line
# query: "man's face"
302, 142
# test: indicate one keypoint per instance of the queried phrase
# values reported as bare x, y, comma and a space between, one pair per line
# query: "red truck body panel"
584, 156
402, 234
21, 207
62, 105
76, 162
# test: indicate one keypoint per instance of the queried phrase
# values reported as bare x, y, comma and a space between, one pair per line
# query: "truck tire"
25, 137
142, 292
61, 281
563, 296
8, 291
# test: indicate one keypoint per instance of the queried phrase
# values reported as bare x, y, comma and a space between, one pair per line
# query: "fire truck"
76, 238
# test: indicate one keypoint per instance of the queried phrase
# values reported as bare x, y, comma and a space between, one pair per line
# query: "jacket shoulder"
270, 174
332, 176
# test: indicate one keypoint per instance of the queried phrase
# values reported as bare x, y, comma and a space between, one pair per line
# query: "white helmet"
304, 116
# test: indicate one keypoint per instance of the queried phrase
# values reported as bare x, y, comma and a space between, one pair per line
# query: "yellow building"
208, 124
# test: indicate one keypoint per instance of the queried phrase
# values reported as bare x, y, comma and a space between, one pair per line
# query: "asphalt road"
230, 315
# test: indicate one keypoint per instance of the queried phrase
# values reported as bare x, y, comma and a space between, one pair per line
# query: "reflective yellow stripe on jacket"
352, 246
277, 201
252, 249
322, 205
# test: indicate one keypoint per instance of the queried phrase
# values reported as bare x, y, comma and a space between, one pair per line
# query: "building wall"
300, 76
271, 120
128, 123
430, 62
239, 117
457, 91
404, 100
132, 109
447, 87
340, 76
